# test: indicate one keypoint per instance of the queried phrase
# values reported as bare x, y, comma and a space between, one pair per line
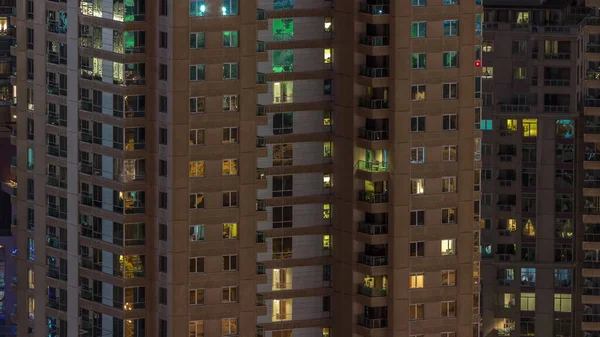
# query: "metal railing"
372, 197
372, 261
374, 72
557, 83
372, 292
515, 108
556, 108
557, 56
372, 166
372, 323
373, 103
372, 228
374, 40
373, 135
374, 9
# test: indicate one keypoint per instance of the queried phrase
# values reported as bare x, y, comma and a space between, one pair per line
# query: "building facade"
224, 167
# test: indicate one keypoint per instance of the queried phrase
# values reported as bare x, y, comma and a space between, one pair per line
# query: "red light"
478, 64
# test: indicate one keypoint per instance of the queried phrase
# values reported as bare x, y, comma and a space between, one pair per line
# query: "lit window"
418, 29
418, 3
327, 118
283, 60
447, 247
417, 155
450, 27
418, 61
527, 301
283, 92
417, 186
416, 311
197, 8
230, 103
450, 59
230, 7
448, 278
488, 46
327, 242
417, 92
511, 125
197, 137
230, 135
417, 280
283, 29
449, 153
230, 71
327, 149
230, 39
197, 168
196, 200
230, 231
562, 302
448, 184
565, 128
520, 73
487, 72
196, 328
196, 296
229, 294
229, 167
328, 27
197, 40
448, 215
196, 233
327, 55
326, 211
197, 72
530, 127
327, 183
486, 124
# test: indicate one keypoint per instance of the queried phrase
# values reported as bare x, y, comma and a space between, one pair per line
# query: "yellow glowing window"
230, 167
562, 302
522, 17
520, 73
197, 168
327, 149
327, 180
327, 25
327, 55
488, 72
326, 332
511, 125
326, 241
512, 225
326, 211
230, 231
327, 117
530, 127
417, 280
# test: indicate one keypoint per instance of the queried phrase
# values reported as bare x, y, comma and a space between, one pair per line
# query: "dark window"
162, 136
162, 104
282, 217
162, 328
162, 295
162, 200
326, 303
450, 122
327, 87
163, 40
162, 264
162, 168
29, 38
283, 186
327, 272
30, 69
162, 232
163, 10
162, 72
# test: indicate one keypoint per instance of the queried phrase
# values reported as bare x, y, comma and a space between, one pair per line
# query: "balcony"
592, 48
557, 56
372, 260
56, 180
372, 197
55, 120
373, 72
373, 103
372, 167
557, 83
373, 135
375, 7
374, 41
372, 323
372, 228
372, 292
556, 108
55, 242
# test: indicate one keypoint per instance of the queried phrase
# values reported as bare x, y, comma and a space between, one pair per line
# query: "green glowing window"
283, 29
283, 61
230, 39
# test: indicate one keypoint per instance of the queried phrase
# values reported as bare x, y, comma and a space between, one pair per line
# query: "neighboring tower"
533, 67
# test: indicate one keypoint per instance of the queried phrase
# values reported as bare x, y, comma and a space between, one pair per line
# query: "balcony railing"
592, 129
372, 197
593, 48
372, 166
591, 318
515, 108
383, 8
372, 228
591, 237
591, 291
556, 108
56, 180
372, 292
373, 135
374, 72
557, 56
373, 103
374, 40
372, 323
591, 102
557, 83
372, 261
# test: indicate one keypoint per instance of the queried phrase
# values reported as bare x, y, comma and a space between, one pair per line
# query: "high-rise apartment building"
265, 168
540, 201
